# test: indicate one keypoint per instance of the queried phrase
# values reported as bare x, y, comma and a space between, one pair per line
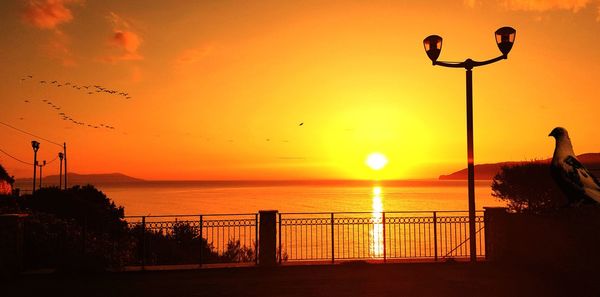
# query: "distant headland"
82, 179
488, 171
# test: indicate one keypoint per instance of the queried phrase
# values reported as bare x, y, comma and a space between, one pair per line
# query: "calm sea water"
162, 198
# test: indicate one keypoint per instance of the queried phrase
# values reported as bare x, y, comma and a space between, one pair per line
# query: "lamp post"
60, 156
36, 146
505, 38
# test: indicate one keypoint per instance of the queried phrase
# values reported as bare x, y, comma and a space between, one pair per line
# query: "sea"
245, 197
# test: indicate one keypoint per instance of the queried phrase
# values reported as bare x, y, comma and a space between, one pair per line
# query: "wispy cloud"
546, 5
124, 38
129, 43
194, 55
540, 6
47, 14
470, 3
58, 48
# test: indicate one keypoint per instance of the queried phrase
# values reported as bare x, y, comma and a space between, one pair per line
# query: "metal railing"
376, 235
194, 239
332, 236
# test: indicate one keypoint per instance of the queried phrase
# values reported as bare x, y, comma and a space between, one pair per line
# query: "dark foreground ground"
358, 279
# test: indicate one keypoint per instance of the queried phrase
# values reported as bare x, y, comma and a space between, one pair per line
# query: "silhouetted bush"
86, 205
183, 245
527, 187
74, 229
237, 253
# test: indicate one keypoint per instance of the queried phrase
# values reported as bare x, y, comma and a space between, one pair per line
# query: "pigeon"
576, 182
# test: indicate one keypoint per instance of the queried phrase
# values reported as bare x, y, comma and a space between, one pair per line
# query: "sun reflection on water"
376, 244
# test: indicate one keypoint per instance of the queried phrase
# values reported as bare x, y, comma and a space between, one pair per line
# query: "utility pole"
65, 156
60, 156
41, 166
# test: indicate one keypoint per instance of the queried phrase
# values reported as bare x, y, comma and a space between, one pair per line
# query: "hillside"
488, 171
82, 179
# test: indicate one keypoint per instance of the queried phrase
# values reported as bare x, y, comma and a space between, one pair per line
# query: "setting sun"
376, 161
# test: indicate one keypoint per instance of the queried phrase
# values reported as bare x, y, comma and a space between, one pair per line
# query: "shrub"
527, 187
74, 229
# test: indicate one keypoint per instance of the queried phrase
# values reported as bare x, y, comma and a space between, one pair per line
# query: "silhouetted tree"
74, 229
8, 203
88, 206
237, 253
180, 245
527, 187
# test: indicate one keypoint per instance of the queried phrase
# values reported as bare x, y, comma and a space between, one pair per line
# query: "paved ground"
352, 279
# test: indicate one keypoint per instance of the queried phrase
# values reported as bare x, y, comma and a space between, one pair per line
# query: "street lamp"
505, 38
36, 146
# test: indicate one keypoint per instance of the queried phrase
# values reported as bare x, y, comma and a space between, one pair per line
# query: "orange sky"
219, 87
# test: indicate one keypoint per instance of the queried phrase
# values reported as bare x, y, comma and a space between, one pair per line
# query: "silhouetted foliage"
86, 205
183, 245
527, 187
6, 182
74, 229
5, 176
238, 253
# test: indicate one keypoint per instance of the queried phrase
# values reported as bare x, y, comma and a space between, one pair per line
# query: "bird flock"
67, 117
88, 89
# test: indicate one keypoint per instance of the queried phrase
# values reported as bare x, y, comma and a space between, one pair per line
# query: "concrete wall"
567, 238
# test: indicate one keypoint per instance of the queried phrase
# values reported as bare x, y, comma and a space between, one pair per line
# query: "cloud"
128, 42
546, 5
58, 48
124, 39
194, 55
47, 14
470, 3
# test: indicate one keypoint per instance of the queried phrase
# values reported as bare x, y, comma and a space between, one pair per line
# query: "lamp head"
505, 38
433, 47
35, 145
60, 155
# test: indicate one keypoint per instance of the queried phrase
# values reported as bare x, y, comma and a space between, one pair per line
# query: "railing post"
143, 243
383, 229
435, 247
256, 241
268, 242
279, 234
201, 239
332, 240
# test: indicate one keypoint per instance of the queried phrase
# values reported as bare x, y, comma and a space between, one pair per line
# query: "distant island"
488, 171
83, 179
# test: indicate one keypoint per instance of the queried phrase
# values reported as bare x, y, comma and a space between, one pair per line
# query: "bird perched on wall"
576, 182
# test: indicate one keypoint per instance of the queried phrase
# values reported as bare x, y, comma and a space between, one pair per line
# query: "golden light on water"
376, 248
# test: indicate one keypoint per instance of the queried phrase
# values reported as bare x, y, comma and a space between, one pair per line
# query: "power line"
31, 134
16, 158
49, 162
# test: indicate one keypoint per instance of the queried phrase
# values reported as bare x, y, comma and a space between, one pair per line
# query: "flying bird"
576, 182
301, 124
